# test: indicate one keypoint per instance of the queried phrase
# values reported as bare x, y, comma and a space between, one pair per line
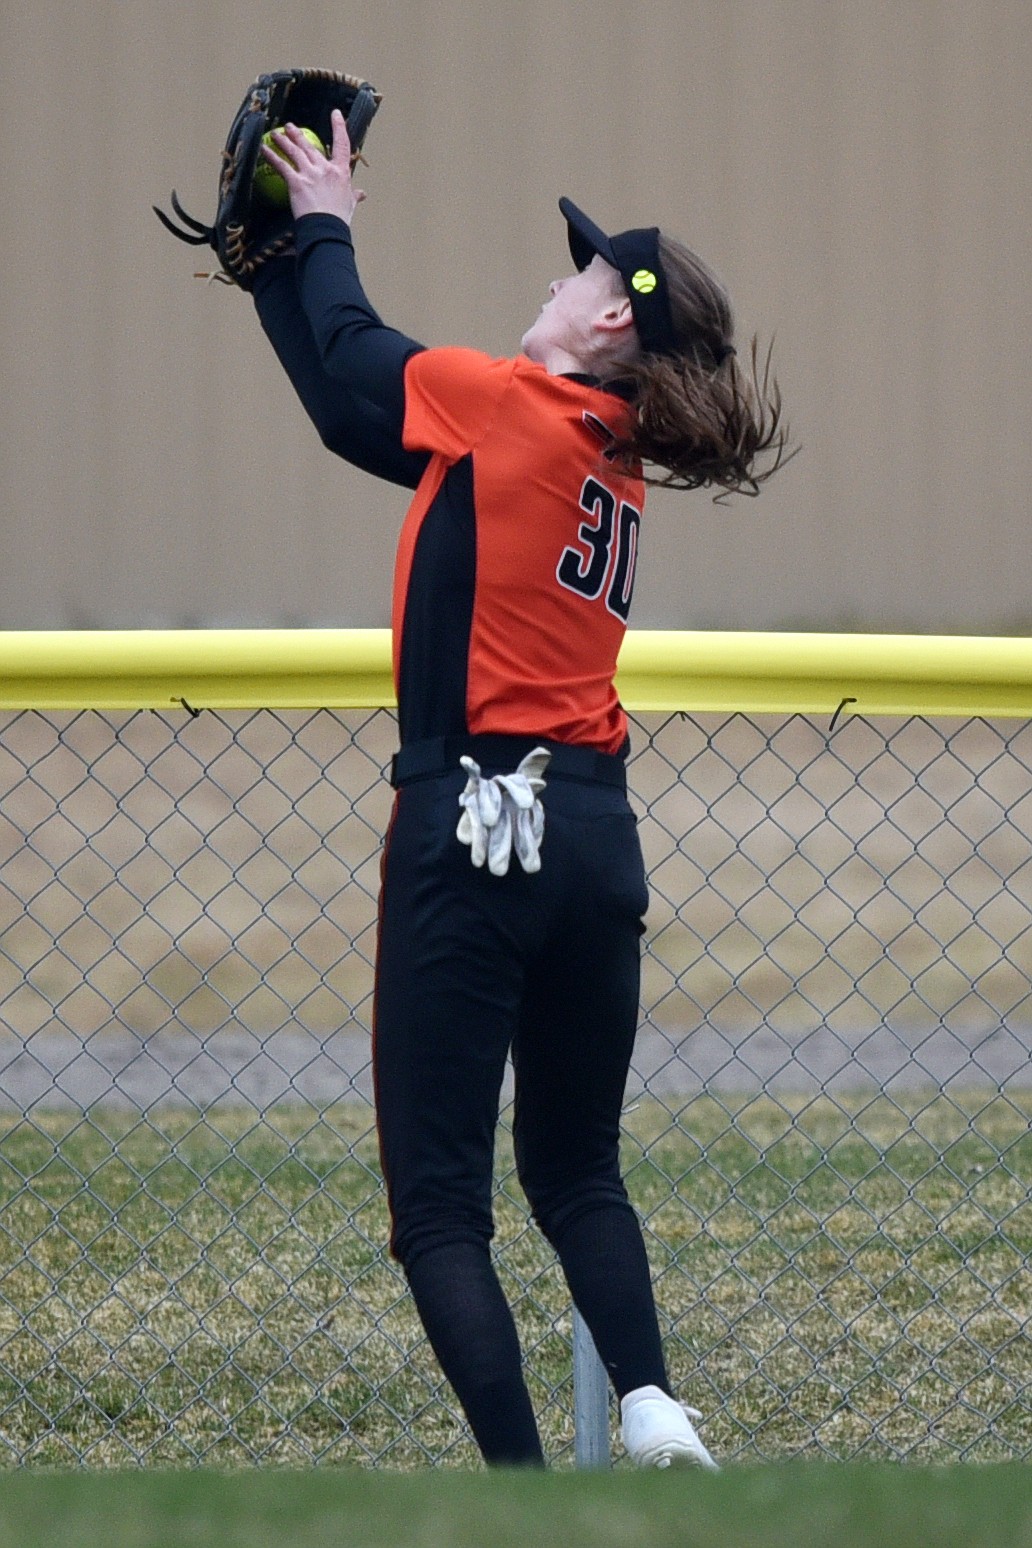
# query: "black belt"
441, 754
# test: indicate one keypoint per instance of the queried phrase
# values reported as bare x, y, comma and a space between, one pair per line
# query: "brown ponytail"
704, 419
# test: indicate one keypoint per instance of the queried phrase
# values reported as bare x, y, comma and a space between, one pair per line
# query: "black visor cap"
635, 256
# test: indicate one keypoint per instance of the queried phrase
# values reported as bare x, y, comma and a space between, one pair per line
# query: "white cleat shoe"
658, 1432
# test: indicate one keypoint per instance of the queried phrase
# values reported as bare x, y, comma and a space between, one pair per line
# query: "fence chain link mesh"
827, 1125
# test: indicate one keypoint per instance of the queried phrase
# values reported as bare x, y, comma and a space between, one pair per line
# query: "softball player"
513, 582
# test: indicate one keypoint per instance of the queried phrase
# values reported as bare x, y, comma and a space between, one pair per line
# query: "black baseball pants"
471, 966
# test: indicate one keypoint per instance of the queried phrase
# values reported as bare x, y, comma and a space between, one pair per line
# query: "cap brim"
586, 239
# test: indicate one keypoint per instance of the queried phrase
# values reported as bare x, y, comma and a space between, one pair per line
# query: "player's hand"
317, 184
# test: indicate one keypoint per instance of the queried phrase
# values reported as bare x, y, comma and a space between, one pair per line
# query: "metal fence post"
590, 1400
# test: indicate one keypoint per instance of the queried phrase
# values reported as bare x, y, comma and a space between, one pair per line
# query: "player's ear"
616, 315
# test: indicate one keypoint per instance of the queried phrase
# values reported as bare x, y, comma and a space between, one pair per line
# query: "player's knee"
412, 1235
560, 1203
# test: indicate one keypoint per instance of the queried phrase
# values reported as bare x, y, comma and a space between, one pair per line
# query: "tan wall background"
857, 170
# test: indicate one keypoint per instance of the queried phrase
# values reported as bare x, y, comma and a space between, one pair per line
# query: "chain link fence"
827, 1126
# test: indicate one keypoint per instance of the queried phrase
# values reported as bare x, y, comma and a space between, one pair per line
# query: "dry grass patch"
839, 1280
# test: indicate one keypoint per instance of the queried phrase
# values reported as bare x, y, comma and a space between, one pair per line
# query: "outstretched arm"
355, 347
361, 432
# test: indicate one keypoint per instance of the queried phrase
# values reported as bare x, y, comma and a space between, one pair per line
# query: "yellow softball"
268, 183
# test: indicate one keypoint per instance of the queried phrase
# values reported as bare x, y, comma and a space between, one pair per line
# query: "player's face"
567, 332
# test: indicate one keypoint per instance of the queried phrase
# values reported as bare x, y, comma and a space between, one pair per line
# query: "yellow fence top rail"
814, 674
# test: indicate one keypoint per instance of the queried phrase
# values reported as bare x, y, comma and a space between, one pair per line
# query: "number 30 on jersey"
609, 552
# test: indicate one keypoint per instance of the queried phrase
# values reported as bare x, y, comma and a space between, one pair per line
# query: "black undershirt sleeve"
355, 346
346, 366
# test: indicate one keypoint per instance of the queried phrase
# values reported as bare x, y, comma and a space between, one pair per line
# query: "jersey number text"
610, 542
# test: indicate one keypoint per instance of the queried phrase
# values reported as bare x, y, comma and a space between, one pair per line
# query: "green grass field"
841, 1285
787, 1506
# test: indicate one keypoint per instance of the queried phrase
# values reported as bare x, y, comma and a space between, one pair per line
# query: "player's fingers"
341, 150
271, 150
304, 147
280, 153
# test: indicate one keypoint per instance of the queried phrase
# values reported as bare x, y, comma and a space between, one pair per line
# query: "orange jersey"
516, 561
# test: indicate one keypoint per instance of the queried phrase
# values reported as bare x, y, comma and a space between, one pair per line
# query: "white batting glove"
503, 813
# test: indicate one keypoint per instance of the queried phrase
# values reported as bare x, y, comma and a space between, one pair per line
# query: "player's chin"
531, 343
